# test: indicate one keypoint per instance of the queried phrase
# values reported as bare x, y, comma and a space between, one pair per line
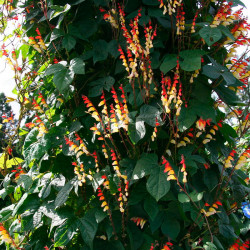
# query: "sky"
7, 83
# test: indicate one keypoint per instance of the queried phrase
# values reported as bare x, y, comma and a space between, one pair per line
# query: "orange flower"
168, 169
139, 221
201, 124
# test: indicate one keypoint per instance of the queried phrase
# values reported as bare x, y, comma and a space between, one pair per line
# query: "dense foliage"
136, 125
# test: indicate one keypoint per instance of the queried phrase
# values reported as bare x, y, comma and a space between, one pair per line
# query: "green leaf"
24, 49
190, 60
75, 126
25, 180
226, 32
113, 48
65, 232
27, 202
186, 119
17, 193
204, 110
155, 58
228, 77
150, 2
100, 84
237, 3
88, 228
210, 71
155, 12
157, 184
95, 91
151, 207
75, 2
9, 163
100, 51
136, 131
6, 212
63, 194
210, 178
169, 62
63, 79
210, 35
218, 243
87, 27
157, 222
135, 236
197, 218
144, 165
57, 10
77, 66
209, 246
227, 95
226, 230
196, 196
108, 82
183, 198
68, 42
5, 191
170, 227
100, 215
228, 132
34, 148
149, 114
55, 68
62, 76
56, 33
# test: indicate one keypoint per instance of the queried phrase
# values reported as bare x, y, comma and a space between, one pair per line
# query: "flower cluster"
170, 7
211, 208
7, 119
224, 15
79, 172
238, 245
240, 70
18, 172
118, 118
139, 221
171, 93
167, 246
5, 236
194, 75
38, 45
211, 133
39, 124
180, 20
11, 60
102, 199
110, 16
229, 159
154, 135
123, 196
138, 57
168, 169
106, 182
39, 105
183, 169
240, 33
79, 150
243, 159
194, 22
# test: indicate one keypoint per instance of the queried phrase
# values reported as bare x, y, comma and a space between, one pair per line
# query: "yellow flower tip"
106, 208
